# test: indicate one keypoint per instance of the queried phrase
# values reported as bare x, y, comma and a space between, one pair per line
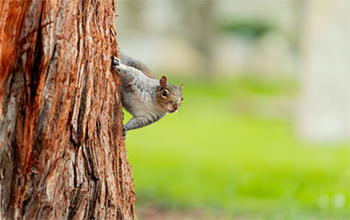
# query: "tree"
62, 151
199, 29
323, 113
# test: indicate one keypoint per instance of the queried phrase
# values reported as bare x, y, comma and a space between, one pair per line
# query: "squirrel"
145, 97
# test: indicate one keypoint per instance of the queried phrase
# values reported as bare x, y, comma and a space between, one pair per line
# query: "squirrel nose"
175, 107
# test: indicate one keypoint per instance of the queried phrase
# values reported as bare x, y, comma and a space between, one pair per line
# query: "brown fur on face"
169, 97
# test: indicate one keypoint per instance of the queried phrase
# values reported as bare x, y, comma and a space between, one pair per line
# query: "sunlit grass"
221, 158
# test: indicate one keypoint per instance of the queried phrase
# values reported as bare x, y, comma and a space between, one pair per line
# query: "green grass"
220, 157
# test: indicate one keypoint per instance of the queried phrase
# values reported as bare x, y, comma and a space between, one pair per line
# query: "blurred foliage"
221, 155
246, 28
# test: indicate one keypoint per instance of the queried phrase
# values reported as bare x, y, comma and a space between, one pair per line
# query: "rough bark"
62, 151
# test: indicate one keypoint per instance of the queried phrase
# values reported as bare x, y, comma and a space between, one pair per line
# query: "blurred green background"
216, 157
263, 131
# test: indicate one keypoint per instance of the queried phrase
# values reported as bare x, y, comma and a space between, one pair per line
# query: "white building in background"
161, 30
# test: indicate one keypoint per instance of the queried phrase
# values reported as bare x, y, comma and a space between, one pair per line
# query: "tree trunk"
62, 151
199, 29
323, 113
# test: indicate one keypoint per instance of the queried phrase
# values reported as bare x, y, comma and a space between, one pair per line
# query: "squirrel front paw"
124, 132
116, 63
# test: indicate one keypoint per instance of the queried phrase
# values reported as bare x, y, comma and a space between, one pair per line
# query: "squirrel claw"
124, 132
115, 62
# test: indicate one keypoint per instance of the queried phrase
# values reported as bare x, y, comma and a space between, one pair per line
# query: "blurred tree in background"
197, 19
324, 99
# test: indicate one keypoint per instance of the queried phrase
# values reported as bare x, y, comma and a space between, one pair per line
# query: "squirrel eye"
165, 93
182, 99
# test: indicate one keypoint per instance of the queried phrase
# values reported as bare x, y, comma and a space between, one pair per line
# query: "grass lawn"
231, 151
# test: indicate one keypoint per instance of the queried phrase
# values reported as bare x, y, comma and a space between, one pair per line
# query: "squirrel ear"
181, 86
163, 81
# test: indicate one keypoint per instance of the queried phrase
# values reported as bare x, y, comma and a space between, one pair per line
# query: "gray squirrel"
145, 97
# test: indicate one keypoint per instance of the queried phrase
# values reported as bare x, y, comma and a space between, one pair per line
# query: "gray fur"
129, 61
138, 96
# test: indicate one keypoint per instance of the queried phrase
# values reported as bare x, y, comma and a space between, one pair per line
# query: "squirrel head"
169, 97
